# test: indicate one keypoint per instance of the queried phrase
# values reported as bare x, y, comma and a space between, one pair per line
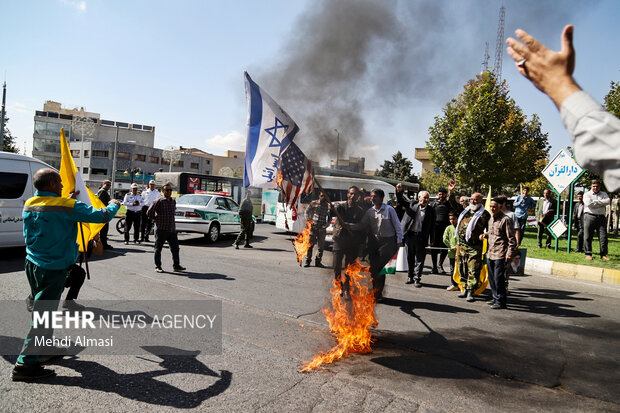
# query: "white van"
16, 172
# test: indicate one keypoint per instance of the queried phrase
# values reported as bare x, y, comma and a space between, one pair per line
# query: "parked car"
209, 213
16, 173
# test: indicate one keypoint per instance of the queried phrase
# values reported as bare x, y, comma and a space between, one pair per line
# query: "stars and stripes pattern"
297, 174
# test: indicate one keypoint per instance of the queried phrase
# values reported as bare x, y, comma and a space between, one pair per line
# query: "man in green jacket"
450, 240
50, 230
245, 216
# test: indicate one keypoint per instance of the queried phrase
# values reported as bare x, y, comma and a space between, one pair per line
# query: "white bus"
336, 188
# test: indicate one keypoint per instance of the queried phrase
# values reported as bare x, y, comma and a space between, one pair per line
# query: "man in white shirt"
149, 195
595, 202
133, 202
385, 238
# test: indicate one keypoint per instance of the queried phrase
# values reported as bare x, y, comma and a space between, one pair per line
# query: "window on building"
178, 163
139, 157
208, 162
107, 122
148, 128
99, 171
122, 124
52, 115
123, 155
67, 117
165, 161
153, 159
85, 171
194, 165
100, 154
86, 153
75, 153
135, 126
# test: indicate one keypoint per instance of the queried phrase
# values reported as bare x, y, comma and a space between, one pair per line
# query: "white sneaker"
452, 288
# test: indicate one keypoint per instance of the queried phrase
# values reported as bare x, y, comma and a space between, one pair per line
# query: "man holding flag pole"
50, 231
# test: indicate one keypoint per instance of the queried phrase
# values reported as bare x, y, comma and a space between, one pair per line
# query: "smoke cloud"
348, 62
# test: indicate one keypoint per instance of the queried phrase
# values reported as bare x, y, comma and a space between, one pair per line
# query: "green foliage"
398, 168
483, 137
8, 143
612, 99
431, 182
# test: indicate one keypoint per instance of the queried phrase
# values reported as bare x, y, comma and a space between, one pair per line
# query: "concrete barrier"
576, 271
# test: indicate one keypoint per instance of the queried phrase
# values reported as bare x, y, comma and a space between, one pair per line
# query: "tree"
8, 143
398, 168
483, 137
612, 99
431, 182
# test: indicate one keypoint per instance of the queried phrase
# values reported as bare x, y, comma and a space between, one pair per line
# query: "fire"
302, 242
279, 179
349, 321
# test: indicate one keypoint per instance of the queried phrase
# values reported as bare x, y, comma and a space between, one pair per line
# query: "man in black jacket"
417, 224
578, 220
442, 208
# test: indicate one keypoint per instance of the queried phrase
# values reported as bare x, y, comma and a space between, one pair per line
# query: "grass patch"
613, 246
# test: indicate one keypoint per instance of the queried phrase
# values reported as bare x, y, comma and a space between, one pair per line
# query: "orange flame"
349, 322
302, 242
279, 179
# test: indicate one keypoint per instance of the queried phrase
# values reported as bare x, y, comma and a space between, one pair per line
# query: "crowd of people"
449, 229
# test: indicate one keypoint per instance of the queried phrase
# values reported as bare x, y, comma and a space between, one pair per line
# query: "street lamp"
85, 126
337, 147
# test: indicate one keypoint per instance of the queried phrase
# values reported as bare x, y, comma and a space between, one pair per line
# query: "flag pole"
85, 251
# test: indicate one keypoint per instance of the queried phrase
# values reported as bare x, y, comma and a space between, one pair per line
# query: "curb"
575, 271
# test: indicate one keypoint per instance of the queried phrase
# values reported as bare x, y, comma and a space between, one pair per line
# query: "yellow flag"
72, 181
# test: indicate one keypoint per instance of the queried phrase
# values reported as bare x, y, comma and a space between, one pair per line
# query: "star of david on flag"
270, 131
297, 174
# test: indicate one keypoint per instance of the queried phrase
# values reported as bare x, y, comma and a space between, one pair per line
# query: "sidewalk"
579, 272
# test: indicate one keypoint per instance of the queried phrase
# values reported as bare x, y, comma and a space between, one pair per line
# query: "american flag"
297, 174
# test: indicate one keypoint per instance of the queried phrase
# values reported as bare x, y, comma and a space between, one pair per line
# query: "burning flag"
270, 131
302, 242
297, 174
349, 321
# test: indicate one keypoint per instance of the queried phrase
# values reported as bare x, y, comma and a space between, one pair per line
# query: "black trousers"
147, 224
542, 228
416, 254
132, 219
103, 234
579, 227
160, 238
497, 279
593, 223
349, 254
380, 251
439, 230
75, 279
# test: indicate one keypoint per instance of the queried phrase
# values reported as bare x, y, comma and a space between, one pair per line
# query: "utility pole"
2, 116
114, 161
499, 47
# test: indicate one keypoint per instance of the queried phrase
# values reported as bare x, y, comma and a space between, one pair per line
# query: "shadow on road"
148, 386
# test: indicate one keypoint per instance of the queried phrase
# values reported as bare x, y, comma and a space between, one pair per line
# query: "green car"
210, 214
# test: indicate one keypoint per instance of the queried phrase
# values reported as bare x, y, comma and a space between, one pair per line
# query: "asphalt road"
554, 349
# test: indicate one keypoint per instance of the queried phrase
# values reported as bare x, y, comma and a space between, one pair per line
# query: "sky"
376, 71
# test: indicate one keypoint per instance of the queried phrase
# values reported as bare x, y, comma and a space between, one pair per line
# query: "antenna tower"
499, 47
485, 61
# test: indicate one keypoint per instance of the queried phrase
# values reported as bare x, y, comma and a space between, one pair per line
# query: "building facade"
92, 141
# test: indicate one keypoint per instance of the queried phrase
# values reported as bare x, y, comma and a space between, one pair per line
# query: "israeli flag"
270, 131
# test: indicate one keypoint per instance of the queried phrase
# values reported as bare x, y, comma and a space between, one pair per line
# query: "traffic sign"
562, 171
558, 228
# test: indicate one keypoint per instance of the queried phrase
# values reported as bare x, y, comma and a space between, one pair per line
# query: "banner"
270, 131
